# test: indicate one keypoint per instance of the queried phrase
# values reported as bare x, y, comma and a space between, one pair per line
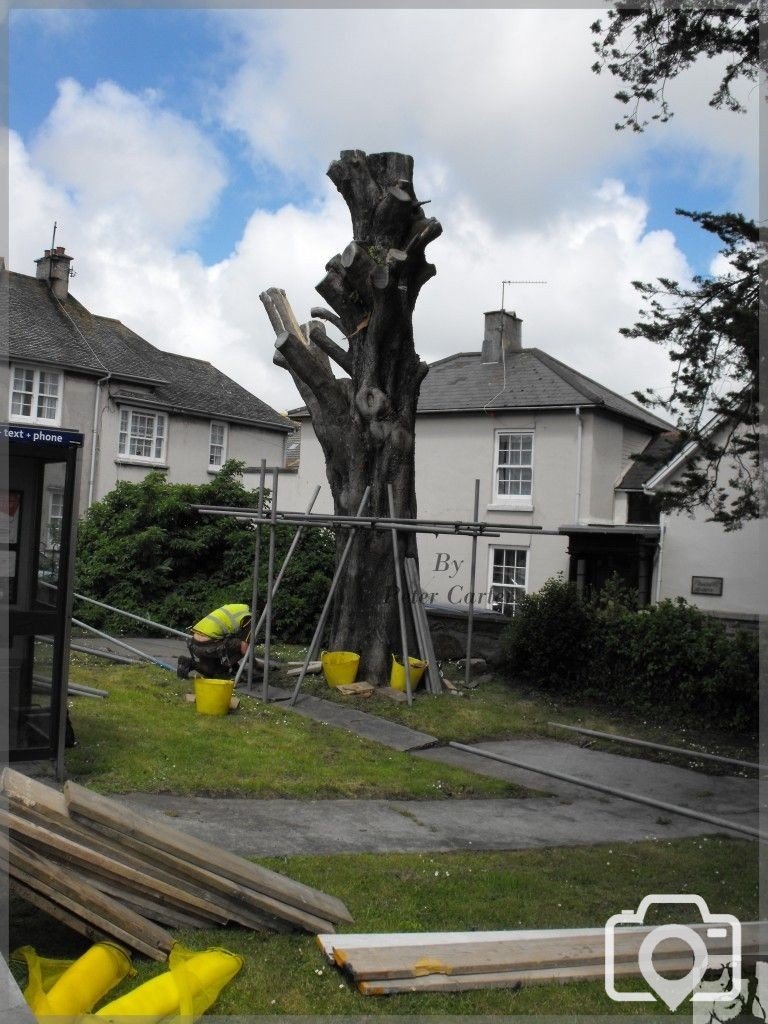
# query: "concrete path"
567, 815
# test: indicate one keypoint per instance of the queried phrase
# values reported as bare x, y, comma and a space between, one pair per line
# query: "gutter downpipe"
94, 439
660, 557
579, 434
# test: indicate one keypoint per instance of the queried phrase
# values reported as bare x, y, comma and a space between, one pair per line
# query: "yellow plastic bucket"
397, 675
340, 667
212, 696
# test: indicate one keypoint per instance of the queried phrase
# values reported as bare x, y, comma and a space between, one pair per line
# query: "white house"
549, 447
139, 408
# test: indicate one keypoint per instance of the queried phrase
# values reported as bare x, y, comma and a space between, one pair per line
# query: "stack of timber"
384, 965
108, 872
433, 682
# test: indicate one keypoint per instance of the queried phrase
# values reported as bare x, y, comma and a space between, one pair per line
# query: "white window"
35, 395
217, 449
508, 579
142, 435
513, 471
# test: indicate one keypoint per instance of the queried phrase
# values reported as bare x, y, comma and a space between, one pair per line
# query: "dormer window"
35, 395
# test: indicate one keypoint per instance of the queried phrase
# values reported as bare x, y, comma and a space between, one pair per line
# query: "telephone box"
38, 524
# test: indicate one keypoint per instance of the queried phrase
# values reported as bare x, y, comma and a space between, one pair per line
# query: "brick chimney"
53, 267
501, 328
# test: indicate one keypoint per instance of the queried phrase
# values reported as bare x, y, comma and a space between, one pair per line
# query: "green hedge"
668, 657
144, 549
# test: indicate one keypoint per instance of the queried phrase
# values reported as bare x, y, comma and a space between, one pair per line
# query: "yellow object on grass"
397, 675
192, 984
212, 696
58, 988
339, 667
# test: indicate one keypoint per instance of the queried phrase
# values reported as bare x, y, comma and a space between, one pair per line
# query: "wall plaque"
709, 585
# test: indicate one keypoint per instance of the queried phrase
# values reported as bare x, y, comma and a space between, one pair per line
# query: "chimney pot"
53, 267
60, 250
501, 328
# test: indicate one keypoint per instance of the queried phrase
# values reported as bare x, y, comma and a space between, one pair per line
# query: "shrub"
551, 636
144, 549
668, 658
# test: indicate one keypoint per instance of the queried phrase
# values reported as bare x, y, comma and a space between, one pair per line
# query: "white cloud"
125, 158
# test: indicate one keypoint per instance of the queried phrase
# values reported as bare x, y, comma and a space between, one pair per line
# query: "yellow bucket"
340, 667
397, 675
212, 696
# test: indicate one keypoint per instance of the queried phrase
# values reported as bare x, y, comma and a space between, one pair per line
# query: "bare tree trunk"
365, 422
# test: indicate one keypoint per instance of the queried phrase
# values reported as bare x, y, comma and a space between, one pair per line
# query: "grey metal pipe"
400, 605
121, 643
78, 689
270, 583
318, 635
695, 755
255, 589
286, 561
330, 523
383, 521
622, 794
472, 580
121, 611
103, 654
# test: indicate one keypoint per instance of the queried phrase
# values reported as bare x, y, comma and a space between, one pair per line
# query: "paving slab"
291, 827
727, 796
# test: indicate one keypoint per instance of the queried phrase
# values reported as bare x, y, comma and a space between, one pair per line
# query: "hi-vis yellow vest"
222, 622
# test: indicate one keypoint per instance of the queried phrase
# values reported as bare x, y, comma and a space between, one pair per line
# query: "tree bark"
365, 422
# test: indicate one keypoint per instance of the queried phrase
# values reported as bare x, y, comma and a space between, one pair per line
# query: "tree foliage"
711, 325
144, 548
712, 331
647, 46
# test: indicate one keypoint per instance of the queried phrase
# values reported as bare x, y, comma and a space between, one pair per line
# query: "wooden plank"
96, 808
508, 979
375, 963
66, 917
60, 848
433, 672
169, 916
245, 906
81, 898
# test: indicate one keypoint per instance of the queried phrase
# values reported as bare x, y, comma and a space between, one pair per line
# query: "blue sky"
199, 139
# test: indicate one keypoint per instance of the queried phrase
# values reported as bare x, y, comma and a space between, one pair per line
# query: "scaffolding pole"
255, 588
400, 603
471, 606
270, 583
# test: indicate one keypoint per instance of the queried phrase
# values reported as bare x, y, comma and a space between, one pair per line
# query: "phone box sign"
41, 435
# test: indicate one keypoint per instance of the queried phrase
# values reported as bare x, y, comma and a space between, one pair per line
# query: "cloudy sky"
183, 156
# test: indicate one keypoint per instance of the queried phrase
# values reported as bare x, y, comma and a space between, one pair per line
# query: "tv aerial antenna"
505, 283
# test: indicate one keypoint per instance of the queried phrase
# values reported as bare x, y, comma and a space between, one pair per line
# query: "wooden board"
381, 963
77, 924
65, 850
96, 808
245, 905
170, 917
434, 683
81, 899
507, 979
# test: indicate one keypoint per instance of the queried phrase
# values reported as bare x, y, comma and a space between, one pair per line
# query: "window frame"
214, 467
124, 453
36, 395
521, 589
511, 500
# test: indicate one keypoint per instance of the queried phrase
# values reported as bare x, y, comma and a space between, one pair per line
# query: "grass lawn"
576, 887
145, 738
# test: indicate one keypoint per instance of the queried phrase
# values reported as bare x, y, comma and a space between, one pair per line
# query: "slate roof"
656, 453
534, 380
73, 338
464, 383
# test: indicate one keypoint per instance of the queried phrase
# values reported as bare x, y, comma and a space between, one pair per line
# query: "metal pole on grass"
694, 755
255, 590
316, 639
623, 794
270, 580
471, 609
121, 643
121, 611
286, 561
400, 604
